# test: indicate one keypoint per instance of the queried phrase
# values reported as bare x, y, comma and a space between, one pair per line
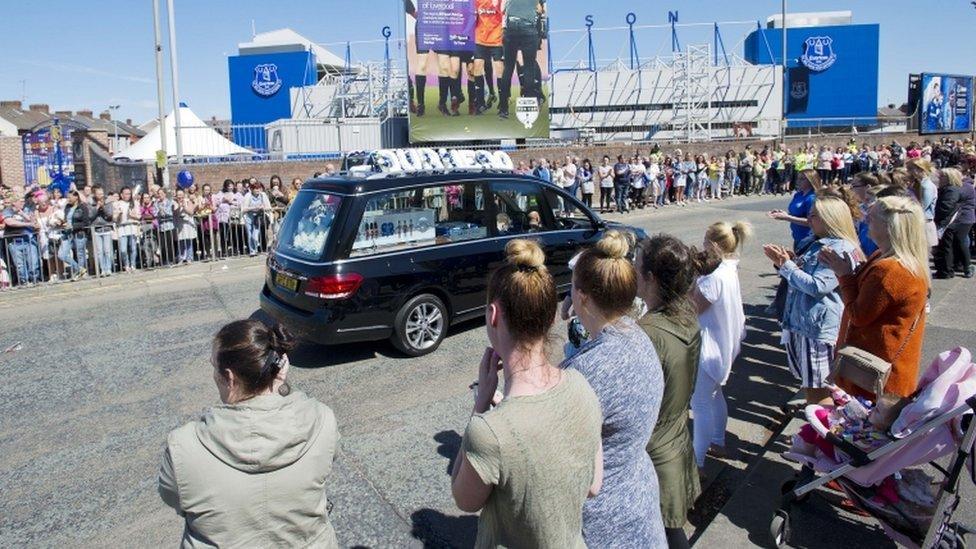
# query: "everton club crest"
818, 53
266, 81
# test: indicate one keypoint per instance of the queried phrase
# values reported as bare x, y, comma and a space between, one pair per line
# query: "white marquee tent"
198, 139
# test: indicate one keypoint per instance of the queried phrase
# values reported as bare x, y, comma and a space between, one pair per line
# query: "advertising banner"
947, 104
478, 69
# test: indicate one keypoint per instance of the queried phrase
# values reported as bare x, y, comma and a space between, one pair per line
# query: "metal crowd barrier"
55, 256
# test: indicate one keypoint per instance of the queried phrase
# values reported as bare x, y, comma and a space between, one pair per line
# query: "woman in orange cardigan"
884, 298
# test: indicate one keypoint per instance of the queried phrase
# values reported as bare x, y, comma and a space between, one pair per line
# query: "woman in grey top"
621, 365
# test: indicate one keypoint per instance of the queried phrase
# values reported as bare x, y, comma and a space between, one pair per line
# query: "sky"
74, 54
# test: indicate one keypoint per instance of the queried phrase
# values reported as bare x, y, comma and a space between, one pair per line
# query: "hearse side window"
573, 218
520, 208
425, 216
308, 223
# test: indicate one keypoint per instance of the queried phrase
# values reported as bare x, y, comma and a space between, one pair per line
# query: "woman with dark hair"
621, 365
586, 178
77, 220
531, 456
667, 271
252, 471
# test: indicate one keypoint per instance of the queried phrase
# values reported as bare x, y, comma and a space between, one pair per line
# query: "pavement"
106, 368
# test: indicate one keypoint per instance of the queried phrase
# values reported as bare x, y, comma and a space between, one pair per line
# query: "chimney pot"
40, 107
11, 104
128, 121
105, 115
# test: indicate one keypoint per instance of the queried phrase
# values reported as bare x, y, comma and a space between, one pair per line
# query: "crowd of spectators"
597, 450
657, 178
50, 236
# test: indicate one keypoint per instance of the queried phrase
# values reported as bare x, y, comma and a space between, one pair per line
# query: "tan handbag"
864, 369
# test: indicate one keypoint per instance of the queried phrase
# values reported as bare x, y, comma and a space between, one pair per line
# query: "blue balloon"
184, 179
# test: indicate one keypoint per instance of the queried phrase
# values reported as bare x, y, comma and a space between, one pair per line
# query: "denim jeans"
252, 225
186, 250
620, 195
25, 256
128, 250
572, 190
104, 250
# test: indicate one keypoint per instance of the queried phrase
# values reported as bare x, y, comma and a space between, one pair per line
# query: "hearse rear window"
308, 223
425, 216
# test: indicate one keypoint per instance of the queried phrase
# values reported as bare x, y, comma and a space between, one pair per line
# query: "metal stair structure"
368, 90
692, 93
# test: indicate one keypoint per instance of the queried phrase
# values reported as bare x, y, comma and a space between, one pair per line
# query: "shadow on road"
450, 445
435, 529
314, 355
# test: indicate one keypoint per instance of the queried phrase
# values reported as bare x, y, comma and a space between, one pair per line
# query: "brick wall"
595, 152
215, 174
12, 161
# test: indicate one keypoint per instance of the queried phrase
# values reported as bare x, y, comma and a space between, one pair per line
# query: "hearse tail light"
337, 286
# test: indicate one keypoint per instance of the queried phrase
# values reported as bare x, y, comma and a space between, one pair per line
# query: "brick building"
89, 140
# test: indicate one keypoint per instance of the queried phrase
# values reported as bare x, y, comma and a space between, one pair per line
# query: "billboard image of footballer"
478, 69
947, 104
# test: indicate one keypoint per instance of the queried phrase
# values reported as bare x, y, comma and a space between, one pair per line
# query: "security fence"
52, 255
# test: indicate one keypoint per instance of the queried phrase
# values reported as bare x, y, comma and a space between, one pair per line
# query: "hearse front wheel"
421, 325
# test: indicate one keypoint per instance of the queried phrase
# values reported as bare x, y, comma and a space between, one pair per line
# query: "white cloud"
84, 70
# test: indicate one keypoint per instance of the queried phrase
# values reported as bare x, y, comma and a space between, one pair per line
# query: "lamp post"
161, 166
174, 79
783, 130
115, 124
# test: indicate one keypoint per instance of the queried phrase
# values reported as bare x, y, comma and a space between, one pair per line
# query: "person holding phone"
529, 463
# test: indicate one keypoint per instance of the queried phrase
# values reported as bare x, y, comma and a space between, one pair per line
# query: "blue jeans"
186, 250
26, 259
620, 195
252, 225
572, 190
104, 250
128, 250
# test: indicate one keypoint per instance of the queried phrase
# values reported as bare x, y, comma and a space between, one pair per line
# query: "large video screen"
947, 104
478, 69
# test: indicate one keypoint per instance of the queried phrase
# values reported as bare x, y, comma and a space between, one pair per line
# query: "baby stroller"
880, 472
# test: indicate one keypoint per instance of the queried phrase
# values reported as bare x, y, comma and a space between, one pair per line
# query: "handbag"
866, 370
941, 230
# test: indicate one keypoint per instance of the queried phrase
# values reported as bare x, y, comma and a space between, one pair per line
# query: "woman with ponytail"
621, 365
251, 472
811, 317
667, 271
531, 457
718, 301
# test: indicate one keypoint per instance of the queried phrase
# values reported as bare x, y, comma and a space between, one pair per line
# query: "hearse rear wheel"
421, 325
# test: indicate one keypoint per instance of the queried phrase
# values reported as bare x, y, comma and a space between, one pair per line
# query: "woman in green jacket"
252, 471
668, 269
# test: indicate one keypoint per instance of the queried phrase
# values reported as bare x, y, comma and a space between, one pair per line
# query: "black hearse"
406, 256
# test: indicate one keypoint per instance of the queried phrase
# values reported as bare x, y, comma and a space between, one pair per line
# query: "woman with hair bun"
530, 460
668, 269
718, 301
252, 471
621, 365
